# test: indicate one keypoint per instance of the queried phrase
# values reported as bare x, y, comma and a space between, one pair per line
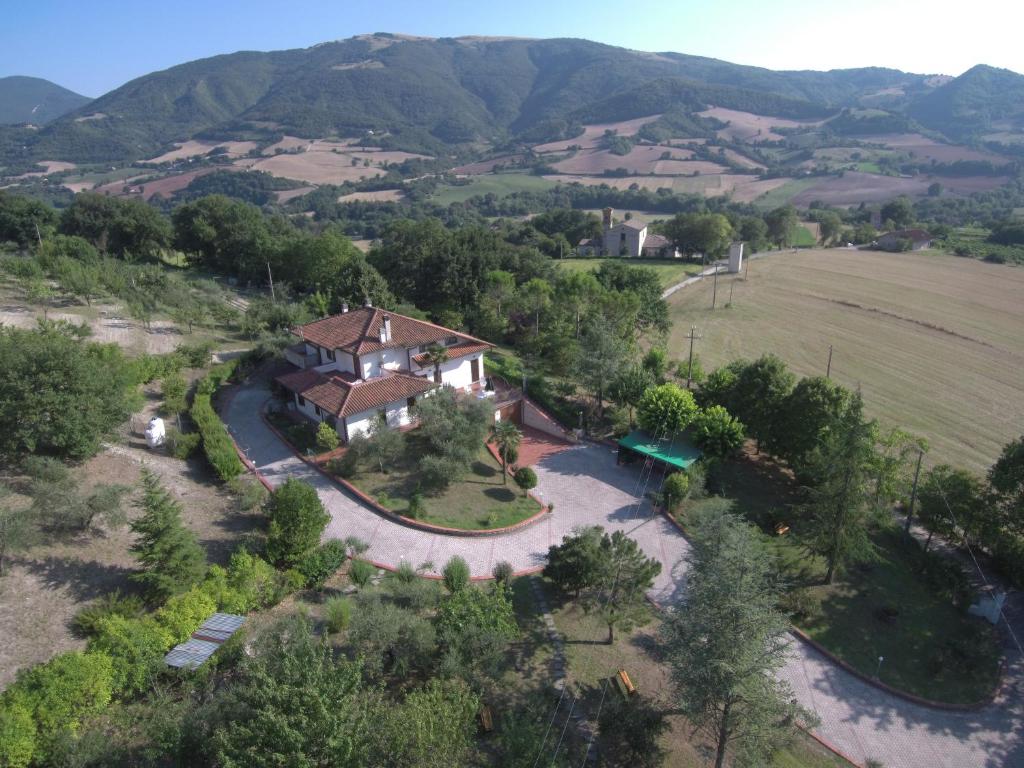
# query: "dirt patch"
922, 148
284, 195
742, 160
285, 144
593, 134
748, 127
378, 196
197, 148
488, 166
51, 166
640, 160
854, 187
50, 583
743, 188
168, 185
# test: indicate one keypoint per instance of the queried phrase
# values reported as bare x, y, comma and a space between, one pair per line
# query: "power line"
540, 750
564, 729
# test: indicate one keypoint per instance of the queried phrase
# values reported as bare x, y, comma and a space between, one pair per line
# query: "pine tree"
838, 514
171, 558
624, 575
727, 640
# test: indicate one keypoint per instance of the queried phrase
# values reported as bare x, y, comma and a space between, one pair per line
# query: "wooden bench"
486, 719
781, 529
627, 684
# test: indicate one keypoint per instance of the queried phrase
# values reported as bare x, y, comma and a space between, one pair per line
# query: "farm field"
498, 184
378, 196
669, 271
748, 127
196, 148
592, 134
932, 340
855, 187
743, 188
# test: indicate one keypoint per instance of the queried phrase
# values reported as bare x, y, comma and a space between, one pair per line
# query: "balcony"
297, 356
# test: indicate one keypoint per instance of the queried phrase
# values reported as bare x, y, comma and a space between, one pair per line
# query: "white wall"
397, 416
390, 359
533, 417
455, 373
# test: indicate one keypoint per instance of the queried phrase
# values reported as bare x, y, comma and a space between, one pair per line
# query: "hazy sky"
93, 46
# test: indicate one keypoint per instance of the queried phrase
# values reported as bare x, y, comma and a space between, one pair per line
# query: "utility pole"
39, 237
913, 491
689, 365
270, 276
828, 369
714, 294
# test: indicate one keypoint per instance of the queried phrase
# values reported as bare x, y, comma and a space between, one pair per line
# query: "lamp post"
878, 669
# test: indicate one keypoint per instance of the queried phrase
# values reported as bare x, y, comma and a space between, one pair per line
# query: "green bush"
249, 491
195, 355
254, 580
217, 443
137, 648
326, 437
87, 621
455, 574
416, 507
182, 445
182, 614
674, 490
502, 572
525, 478
17, 733
345, 465
337, 613
297, 519
360, 572
60, 693
322, 563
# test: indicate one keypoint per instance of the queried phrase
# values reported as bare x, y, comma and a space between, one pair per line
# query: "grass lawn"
782, 195
931, 649
804, 238
496, 183
591, 662
932, 340
477, 501
670, 271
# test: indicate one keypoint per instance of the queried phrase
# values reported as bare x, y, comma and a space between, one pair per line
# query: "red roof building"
370, 363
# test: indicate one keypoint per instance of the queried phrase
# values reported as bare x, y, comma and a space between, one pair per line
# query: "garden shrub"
360, 572
249, 491
322, 563
297, 519
217, 443
17, 733
455, 574
416, 508
87, 620
61, 692
525, 478
137, 648
254, 580
344, 466
337, 613
326, 437
182, 445
182, 614
195, 355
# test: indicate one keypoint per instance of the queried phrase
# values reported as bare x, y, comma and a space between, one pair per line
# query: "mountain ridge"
25, 99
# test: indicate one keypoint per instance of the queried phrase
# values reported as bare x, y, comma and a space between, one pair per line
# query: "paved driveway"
587, 488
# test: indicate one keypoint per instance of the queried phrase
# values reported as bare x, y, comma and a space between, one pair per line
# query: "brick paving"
588, 488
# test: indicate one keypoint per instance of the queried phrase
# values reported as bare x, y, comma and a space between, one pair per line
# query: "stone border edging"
799, 634
391, 514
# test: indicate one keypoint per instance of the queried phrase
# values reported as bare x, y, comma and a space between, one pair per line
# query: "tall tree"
1006, 477
171, 558
666, 409
761, 388
297, 520
781, 223
837, 511
603, 354
727, 641
953, 503
805, 415
574, 564
629, 387
506, 437
624, 575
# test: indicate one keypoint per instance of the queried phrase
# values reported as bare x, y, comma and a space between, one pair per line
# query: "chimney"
607, 216
344, 307
385, 329
367, 302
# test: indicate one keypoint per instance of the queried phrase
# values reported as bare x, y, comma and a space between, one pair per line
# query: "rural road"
588, 488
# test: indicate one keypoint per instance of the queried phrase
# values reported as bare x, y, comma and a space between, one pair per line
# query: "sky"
94, 46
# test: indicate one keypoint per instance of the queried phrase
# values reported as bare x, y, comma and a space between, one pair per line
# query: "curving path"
587, 488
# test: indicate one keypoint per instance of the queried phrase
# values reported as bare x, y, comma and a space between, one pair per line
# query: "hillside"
426, 94
982, 100
34, 100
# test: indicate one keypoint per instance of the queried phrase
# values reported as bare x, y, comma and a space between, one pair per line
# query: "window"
410, 402
300, 400
318, 411
451, 340
329, 353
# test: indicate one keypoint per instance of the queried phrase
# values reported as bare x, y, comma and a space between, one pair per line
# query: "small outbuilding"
675, 452
904, 240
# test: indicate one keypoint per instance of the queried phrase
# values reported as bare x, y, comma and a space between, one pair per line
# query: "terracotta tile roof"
455, 352
656, 241
358, 331
342, 394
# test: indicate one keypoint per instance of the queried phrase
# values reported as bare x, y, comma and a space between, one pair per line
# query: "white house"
627, 239
367, 363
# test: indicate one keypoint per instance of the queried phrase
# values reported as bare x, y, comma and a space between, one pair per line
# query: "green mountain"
436, 94
34, 100
980, 100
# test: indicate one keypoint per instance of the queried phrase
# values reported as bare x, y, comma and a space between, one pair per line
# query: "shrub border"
391, 514
920, 701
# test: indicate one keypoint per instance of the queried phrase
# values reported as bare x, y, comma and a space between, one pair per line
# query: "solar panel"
204, 641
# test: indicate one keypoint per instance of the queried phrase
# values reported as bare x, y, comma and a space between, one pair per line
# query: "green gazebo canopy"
676, 450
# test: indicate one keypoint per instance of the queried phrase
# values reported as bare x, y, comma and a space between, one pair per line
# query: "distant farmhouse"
627, 239
899, 239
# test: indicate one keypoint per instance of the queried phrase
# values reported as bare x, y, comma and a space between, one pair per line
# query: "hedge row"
217, 444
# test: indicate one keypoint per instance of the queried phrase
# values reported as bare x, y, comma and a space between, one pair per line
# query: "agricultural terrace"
933, 341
